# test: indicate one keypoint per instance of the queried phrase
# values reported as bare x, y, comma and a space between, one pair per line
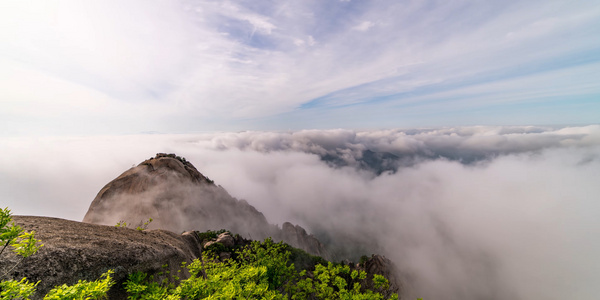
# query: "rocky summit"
171, 191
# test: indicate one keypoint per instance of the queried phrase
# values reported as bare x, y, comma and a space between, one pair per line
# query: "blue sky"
114, 67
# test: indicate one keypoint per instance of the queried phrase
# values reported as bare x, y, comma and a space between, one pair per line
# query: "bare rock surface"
297, 237
226, 239
378, 264
75, 251
172, 192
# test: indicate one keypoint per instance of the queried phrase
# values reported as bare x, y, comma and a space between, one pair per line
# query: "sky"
115, 67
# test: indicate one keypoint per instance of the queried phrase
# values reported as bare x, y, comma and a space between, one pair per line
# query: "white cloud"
259, 22
364, 26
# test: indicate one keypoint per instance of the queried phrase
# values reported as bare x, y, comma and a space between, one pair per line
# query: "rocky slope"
179, 198
75, 251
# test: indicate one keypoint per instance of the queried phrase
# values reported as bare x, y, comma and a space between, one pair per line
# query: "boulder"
75, 251
226, 239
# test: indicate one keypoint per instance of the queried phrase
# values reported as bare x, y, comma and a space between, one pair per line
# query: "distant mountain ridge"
376, 162
171, 191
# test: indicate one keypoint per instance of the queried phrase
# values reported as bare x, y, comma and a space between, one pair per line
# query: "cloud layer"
479, 212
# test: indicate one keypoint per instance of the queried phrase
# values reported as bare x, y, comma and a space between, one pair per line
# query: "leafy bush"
12, 289
23, 244
121, 224
363, 259
141, 286
215, 248
210, 234
261, 271
274, 257
83, 289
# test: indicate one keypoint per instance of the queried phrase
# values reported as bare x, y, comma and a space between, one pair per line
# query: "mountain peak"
165, 162
171, 191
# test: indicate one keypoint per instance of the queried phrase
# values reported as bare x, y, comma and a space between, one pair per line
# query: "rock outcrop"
378, 264
172, 192
75, 251
297, 237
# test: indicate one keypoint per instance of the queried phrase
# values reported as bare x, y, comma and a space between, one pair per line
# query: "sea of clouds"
465, 213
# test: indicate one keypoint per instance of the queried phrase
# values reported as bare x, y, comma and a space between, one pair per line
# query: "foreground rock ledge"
81, 251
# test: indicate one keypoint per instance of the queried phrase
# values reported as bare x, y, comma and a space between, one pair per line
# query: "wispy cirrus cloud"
195, 65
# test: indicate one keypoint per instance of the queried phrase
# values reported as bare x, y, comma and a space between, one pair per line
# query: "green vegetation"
210, 234
23, 244
12, 289
259, 270
143, 225
121, 224
83, 289
331, 282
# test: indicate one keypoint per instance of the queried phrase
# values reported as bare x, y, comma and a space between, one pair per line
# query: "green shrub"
121, 224
144, 225
210, 234
215, 248
83, 289
260, 271
330, 282
363, 259
12, 289
23, 244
